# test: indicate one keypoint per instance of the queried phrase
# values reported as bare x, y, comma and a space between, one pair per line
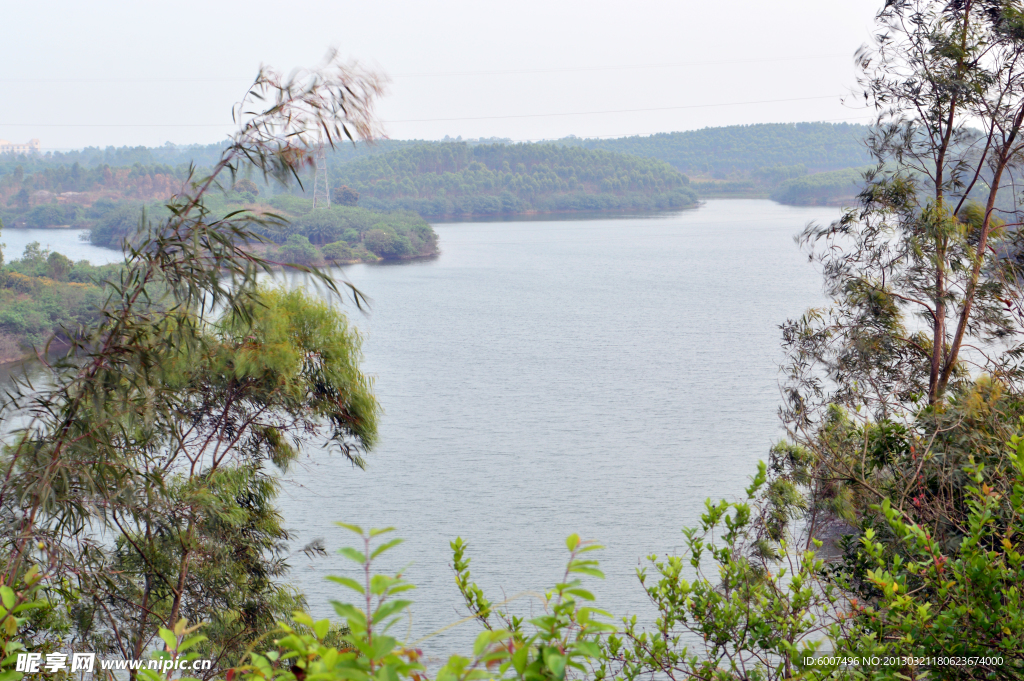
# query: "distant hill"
742, 150
832, 187
440, 178
202, 155
453, 179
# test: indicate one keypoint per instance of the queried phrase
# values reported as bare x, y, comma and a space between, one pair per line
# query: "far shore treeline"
382, 193
790, 163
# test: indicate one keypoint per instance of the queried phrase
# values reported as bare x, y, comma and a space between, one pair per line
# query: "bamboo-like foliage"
924, 274
119, 449
916, 269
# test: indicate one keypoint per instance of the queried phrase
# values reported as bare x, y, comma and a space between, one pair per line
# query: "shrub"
298, 250
58, 267
247, 189
377, 241
320, 226
344, 196
292, 204
337, 252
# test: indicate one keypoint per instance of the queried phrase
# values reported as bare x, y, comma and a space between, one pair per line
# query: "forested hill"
201, 155
745, 149
454, 179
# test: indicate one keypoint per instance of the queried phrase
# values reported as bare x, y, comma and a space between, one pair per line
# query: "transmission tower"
321, 190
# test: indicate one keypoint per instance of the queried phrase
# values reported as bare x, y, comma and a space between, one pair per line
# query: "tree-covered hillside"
202, 155
826, 188
744, 149
460, 179
455, 178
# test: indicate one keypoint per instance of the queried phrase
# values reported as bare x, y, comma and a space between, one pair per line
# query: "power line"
617, 68
425, 120
587, 113
495, 72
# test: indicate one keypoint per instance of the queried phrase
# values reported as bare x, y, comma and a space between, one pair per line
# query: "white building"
32, 146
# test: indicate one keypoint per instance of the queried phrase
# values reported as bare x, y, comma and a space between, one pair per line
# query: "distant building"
32, 146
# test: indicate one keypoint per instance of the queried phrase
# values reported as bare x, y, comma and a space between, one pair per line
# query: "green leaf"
169, 638
375, 532
351, 528
348, 582
185, 645
321, 628
555, 662
572, 541
520, 658
389, 608
7, 596
384, 547
582, 593
353, 555
593, 572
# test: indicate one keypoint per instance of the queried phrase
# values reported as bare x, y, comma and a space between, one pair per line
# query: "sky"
145, 73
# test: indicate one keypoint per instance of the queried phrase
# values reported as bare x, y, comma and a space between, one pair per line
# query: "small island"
44, 294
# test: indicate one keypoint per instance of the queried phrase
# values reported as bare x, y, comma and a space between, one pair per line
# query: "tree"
908, 385
337, 251
919, 243
208, 544
923, 292
162, 418
896, 453
246, 186
321, 226
297, 249
343, 195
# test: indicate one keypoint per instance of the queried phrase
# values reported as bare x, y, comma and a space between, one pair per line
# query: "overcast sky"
101, 73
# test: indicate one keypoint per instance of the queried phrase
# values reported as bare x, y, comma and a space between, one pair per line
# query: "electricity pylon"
321, 190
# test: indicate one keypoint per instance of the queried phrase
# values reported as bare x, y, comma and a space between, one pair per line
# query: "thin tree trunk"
140, 635
179, 592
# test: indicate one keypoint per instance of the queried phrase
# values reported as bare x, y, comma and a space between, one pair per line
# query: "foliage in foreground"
137, 470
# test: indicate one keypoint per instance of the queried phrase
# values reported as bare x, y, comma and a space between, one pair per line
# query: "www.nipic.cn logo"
55, 662
33, 663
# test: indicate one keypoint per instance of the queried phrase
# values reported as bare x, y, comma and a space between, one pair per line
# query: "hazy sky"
112, 73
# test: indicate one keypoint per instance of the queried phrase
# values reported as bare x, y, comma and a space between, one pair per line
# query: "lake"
67, 242
546, 377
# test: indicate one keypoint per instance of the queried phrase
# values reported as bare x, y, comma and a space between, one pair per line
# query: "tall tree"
917, 271
155, 429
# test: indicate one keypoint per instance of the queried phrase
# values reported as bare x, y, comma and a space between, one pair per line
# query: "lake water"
548, 377
67, 242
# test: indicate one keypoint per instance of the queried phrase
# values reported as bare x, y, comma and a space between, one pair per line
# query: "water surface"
67, 242
548, 377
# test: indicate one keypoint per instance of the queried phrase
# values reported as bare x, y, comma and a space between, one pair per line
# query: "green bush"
51, 215
298, 250
339, 251
58, 267
294, 205
321, 226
